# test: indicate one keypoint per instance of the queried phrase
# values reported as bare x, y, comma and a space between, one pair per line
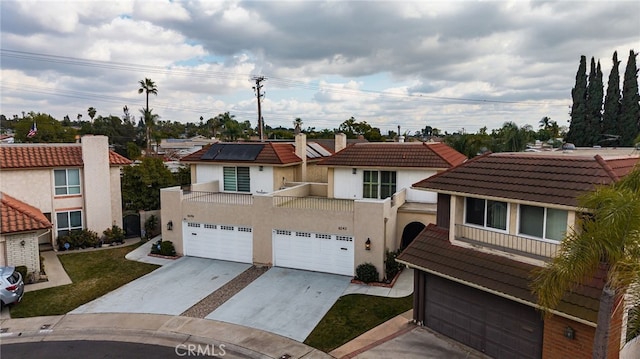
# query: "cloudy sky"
452, 65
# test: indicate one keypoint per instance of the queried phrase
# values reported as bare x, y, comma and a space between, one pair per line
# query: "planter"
161, 256
379, 284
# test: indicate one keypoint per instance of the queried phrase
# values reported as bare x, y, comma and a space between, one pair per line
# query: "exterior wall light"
170, 226
354, 170
569, 333
22, 242
260, 168
367, 244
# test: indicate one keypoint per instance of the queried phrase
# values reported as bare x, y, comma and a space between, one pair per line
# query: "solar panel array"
233, 152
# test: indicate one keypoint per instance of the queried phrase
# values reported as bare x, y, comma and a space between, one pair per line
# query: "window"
379, 184
236, 179
545, 223
68, 222
67, 181
486, 213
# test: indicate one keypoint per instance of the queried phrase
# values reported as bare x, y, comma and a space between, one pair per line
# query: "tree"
594, 105
91, 111
610, 125
297, 125
50, 130
149, 122
608, 238
630, 104
148, 87
511, 138
141, 184
578, 125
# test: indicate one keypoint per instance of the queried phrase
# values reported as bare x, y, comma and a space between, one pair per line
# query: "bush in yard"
23, 271
167, 248
391, 266
367, 273
150, 226
114, 234
78, 239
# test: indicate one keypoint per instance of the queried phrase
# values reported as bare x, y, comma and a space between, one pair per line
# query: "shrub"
150, 226
23, 272
114, 234
78, 239
391, 266
367, 273
167, 248
155, 248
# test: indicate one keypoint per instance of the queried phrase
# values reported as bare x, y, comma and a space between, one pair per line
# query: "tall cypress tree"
610, 124
578, 125
594, 105
630, 104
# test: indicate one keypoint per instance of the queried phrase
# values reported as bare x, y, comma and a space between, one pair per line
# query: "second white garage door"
320, 252
225, 242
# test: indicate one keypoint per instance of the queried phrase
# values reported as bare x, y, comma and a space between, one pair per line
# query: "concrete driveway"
284, 301
171, 289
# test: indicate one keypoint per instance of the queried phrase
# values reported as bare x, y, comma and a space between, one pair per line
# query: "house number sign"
341, 228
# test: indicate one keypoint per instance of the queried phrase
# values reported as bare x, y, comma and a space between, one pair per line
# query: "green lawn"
353, 315
93, 274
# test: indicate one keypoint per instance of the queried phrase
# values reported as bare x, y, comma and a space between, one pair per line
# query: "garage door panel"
319, 252
224, 242
494, 325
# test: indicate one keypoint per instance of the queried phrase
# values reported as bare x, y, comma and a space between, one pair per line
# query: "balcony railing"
218, 197
507, 242
316, 203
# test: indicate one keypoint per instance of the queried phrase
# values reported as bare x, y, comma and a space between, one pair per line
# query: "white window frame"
234, 185
66, 186
544, 225
485, 216
378, 182
69, 228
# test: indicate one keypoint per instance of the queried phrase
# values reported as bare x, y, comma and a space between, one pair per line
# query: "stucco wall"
23, 255
97, 183
33, 186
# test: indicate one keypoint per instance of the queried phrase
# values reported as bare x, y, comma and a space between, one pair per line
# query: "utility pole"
256, 88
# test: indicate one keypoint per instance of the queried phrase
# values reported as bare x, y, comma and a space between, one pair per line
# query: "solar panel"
321, 150
233, 152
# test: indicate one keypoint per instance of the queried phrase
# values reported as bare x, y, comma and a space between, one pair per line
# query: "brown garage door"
496, 326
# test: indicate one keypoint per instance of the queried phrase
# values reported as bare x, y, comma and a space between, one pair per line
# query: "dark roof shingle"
519, 176
407, 154
431, 250
17, 216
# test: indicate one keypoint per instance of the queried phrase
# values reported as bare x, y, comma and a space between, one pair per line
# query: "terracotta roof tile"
17, 216
519, 176
53, 155
432, 250
408, 154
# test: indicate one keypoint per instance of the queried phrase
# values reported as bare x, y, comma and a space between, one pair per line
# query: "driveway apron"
284, 301
171, 289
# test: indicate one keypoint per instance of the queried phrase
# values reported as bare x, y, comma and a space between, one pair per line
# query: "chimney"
341, 142
301, 151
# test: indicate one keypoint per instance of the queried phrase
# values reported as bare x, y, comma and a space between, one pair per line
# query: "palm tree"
149, 122
609, 238
91, 112
147, 86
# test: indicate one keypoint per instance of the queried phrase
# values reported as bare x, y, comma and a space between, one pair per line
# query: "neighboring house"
500, 216
75, 185
176, 148
296, 205
20, 227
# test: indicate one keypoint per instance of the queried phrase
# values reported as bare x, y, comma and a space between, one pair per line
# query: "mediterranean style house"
302, 205
499, 217
71, 185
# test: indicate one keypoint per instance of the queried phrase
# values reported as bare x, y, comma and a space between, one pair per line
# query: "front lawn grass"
353, 315
93, 274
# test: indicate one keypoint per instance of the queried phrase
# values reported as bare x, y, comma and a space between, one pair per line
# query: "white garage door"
318, 252
229, 243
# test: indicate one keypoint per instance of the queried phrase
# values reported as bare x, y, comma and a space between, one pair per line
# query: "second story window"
379, 184
486, 213
67, 181
541, 222
236, 179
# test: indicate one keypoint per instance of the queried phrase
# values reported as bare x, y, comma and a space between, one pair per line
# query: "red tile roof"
17, 216
396, 154
272, 153
48, 155
553, 179
432, 251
